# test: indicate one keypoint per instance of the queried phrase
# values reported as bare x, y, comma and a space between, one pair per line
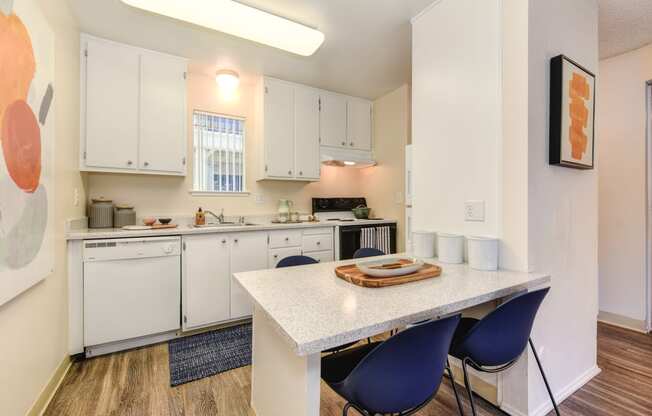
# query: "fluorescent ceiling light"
239, 20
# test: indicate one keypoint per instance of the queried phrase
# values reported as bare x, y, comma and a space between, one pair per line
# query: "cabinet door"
248, 253
111, 110
279, 129
163, 114
359, 124
278, 254
306, 133
206, 280
332, 122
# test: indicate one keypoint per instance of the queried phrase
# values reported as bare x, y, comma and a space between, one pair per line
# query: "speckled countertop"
314, 310
83, 233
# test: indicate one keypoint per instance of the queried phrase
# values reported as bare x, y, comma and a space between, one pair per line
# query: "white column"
282, 381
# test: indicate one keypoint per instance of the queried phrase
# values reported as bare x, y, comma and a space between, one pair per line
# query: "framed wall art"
572, 114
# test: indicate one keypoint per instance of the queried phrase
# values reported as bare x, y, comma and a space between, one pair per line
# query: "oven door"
349, 239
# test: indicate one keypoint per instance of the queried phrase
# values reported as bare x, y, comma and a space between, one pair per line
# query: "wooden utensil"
353, 275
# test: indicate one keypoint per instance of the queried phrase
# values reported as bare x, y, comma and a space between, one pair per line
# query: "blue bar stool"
296, 261
399, 376
495, 343
367, 252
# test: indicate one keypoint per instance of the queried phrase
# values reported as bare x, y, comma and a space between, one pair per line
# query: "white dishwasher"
132, 288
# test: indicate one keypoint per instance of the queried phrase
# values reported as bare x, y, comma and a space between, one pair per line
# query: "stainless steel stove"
349, 230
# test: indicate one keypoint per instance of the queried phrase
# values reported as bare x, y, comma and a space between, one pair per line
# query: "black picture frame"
557, 122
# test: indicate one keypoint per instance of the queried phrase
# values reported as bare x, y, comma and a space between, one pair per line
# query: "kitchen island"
301, 311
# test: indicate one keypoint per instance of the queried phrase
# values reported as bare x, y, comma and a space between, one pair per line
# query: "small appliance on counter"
100, 213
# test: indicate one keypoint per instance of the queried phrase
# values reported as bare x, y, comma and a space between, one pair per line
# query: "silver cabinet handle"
275, 256
146, 163
235, 240
129, 162
287, 238
318, 243
300, 173
343, 143
289, 172
351, 144
224, 241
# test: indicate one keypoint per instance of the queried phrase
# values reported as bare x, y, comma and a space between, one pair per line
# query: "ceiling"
624, 25
366, 52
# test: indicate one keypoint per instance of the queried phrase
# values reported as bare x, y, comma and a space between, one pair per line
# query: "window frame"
200, 192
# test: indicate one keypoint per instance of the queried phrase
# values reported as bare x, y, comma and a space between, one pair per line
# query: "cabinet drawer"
279, 254
316, 231
317, 242
284, 238
322, 256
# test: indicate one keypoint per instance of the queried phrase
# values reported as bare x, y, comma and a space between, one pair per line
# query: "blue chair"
367, 252
296, 261
496, 342
399, 376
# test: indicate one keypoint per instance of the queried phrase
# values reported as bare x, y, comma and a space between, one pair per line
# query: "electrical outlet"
75, 197
474, 211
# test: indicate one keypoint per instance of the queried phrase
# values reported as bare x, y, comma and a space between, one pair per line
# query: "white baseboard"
567, 391
623, 321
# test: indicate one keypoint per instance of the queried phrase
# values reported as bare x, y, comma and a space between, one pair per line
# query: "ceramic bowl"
165, 221
149, 221
375, 268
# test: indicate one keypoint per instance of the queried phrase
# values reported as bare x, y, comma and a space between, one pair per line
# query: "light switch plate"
474, 211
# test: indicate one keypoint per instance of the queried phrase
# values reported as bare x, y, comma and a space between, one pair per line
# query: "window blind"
219, 150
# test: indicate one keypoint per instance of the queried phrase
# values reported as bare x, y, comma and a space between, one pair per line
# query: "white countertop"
184, 229
315, 310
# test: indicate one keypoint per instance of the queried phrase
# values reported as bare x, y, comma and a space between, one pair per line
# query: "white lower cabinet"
247, 254
210, 294
278, 254
206, 280
322, 256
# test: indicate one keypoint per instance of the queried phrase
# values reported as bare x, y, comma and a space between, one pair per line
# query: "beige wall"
384, 184
153, 195
621, 158
34, 325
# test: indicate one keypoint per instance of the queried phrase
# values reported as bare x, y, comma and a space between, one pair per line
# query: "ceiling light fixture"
349, 163
227, 79
239, 20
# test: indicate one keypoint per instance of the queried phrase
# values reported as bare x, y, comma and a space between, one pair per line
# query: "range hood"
348, 158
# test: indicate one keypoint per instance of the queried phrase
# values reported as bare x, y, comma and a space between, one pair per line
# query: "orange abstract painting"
579, 114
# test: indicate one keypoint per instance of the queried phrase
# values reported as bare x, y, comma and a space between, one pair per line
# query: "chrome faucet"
219, 218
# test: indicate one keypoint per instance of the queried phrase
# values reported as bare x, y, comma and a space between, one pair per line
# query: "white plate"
136, 227
369, 267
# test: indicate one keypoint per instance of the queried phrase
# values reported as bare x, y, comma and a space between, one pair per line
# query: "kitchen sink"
224, 224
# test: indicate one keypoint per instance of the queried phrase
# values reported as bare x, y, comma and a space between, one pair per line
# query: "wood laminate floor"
137, 383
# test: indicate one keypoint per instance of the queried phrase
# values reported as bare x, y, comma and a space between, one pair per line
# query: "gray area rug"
210, 353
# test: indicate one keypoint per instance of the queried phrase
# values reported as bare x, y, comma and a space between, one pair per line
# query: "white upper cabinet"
111, 95
306, 133
133, 114
279, 129
290, 125
163, 114
333, 120
359, 124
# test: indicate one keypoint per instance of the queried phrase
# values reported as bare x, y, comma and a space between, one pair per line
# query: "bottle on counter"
200, 217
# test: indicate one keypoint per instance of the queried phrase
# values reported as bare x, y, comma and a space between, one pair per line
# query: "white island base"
282, 381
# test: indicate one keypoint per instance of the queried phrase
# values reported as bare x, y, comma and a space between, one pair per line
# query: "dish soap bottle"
200, 217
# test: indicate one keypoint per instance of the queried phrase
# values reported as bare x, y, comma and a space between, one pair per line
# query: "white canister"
483, 253
450, 248
424, 243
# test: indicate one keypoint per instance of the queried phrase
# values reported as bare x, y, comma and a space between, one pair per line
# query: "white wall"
547, 216
621, 157
563, 207
456, 115
34, 325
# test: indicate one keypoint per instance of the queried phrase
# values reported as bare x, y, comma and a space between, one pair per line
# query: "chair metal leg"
457, 397
345, 411
545, 380
467, 383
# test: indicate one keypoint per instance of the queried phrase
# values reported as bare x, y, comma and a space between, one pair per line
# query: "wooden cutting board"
163, 226
352, 274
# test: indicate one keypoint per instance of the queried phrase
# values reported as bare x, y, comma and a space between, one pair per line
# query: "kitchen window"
218, 153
